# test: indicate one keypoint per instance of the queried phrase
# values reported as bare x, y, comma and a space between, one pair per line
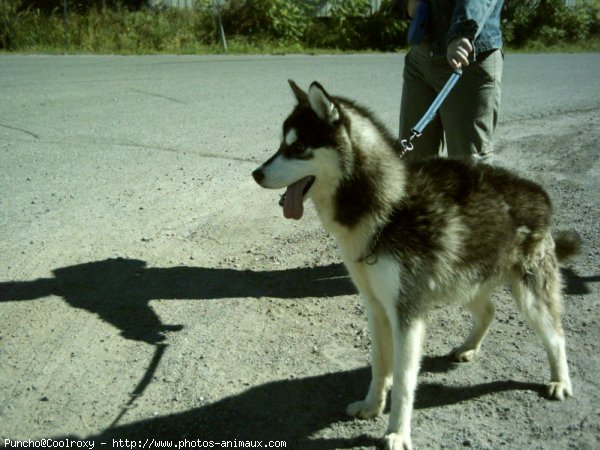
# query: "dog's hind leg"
482, 311
381, 363
538, 295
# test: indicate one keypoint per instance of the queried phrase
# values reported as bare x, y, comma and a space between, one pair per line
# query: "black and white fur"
418, 234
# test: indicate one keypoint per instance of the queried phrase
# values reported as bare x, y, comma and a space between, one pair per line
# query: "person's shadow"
119, 290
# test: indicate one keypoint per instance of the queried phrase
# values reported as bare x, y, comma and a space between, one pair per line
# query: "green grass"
173, 31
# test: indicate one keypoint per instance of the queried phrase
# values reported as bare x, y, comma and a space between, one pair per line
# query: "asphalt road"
229, 106
148, 286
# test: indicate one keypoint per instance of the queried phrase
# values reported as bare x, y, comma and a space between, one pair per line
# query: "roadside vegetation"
266, 26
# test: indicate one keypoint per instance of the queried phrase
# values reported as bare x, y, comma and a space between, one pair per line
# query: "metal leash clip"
407, 144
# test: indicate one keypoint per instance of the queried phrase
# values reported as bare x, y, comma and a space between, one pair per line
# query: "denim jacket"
477, 20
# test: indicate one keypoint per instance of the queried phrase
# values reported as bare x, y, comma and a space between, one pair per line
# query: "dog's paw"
461, 354
558, 390
364, 410
395, 441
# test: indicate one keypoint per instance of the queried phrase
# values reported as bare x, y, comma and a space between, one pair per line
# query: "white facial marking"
291, 136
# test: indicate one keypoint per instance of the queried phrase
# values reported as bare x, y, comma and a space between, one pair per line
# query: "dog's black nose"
258, 175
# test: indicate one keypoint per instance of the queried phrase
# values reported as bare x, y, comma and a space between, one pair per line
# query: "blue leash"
417, 130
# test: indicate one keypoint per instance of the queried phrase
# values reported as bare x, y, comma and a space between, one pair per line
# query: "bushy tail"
568, 244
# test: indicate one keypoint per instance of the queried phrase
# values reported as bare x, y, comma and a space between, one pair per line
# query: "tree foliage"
548, 21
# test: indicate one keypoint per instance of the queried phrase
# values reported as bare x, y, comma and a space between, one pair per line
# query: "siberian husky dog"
418, 234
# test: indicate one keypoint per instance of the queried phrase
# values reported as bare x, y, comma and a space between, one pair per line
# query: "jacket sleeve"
468, 18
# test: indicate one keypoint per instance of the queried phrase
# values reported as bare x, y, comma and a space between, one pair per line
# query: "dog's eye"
302, 151
298, 150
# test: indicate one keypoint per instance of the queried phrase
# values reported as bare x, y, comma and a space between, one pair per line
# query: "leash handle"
435, 106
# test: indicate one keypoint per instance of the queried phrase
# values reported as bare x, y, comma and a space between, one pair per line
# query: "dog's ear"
322, 104
301, 96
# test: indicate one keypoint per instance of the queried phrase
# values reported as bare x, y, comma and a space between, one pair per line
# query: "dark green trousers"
468, 117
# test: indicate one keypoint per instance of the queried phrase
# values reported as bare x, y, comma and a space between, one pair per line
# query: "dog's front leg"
407, 352
381, 363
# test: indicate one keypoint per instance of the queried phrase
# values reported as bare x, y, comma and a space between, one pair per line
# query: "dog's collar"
370, 255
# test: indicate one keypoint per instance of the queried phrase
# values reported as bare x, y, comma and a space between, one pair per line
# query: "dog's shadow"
119, 290
295, 411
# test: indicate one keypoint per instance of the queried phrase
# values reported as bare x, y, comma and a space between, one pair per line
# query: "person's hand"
458, 53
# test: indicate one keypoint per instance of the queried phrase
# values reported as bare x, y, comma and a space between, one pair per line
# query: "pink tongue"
293, 207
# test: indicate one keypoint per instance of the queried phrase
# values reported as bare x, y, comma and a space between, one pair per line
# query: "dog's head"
306, 158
